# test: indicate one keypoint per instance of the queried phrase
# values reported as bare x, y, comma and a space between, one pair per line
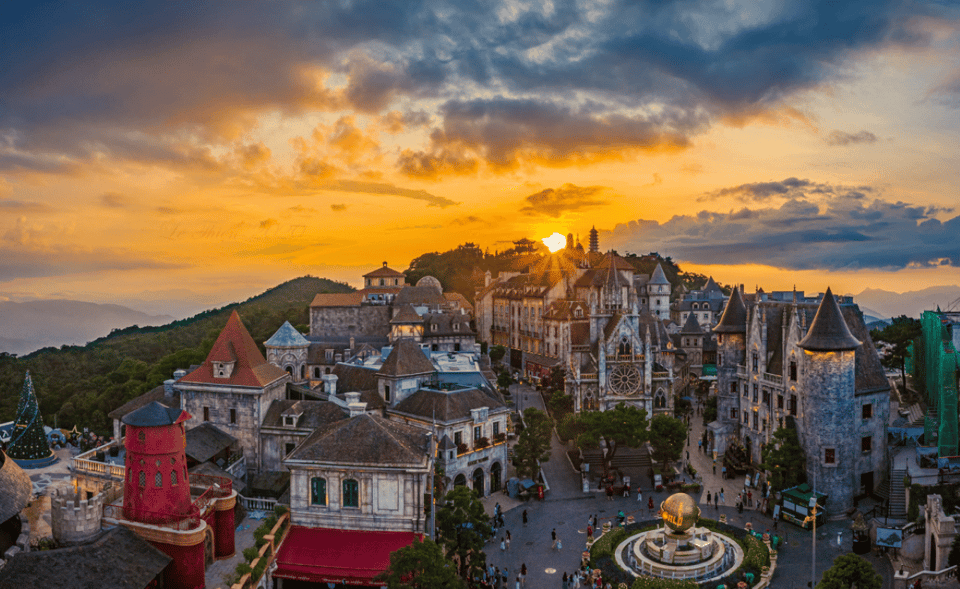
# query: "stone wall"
365, 320
75, 518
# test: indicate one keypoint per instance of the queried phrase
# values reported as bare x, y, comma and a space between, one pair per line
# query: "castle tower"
658, 293
287, 348
827, 387
731, 333
156, 488
594, 240
28, 443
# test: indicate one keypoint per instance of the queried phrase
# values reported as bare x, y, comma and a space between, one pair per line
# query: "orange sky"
209, 156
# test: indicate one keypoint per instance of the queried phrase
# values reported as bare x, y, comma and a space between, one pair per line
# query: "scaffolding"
935, 362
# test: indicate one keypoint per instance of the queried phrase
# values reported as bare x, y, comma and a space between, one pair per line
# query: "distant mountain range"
886, 304
29, 326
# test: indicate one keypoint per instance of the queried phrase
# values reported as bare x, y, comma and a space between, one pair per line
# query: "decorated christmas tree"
28, 441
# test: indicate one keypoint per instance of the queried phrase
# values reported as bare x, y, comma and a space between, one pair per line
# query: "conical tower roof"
829, 332
234, 345
406, 315
287, 337
28, 441
658, 276
711, 286
734, 318
155, 415
692, 326
15, 488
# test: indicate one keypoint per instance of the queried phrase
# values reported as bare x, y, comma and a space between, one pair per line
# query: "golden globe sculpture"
680, 512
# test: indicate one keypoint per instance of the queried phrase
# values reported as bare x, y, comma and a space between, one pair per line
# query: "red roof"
324, 555
234, 344
384, 272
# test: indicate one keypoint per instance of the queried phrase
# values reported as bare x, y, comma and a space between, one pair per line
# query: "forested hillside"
81, 384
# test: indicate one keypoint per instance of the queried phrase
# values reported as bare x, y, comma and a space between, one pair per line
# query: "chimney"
168, 387
352, 344
179, 373
357, 408
329, 384
352, 398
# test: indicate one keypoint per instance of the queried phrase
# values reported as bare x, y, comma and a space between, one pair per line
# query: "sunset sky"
212, 150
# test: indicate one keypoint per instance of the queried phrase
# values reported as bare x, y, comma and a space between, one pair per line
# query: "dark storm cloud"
553, 202
840, 138
135, 79
837, 232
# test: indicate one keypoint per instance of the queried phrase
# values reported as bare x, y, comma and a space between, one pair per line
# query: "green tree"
422, 565
624, 425
783, 458
667, 436
561, 404
497, 353
555, 381
899, 334
847, 570
504, 379
462, 529
953, 559
710, 410
533, 445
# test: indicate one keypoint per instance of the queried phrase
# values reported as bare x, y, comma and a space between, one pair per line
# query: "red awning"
323, 555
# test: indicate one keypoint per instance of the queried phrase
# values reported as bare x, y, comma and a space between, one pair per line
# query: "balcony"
110, 467
774, 379
741, 371
472, 456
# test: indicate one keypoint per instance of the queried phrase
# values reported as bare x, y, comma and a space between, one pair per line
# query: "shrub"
279, 510
250, 553
243, 568
607, 543
654, 583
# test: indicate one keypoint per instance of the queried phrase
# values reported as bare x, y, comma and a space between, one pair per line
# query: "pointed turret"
658, 276
734, 318
28, 442
286, 337
235, 359
691, 326
829, 332
711, 286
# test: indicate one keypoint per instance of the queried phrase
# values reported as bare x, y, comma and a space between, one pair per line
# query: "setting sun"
554, 242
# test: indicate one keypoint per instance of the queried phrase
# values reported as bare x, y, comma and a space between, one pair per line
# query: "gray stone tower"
829, 438
287, 348
731, 333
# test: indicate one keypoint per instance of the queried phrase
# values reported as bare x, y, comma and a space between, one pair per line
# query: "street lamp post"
813, 556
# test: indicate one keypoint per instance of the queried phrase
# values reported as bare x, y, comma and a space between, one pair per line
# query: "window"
756, 420
496, 428
477, 432
733, 413
316, 372
233, 416
351, 493
793, 370
756, 362
766, 396
143, 479
733, 387
458, 438
329, 355
141, 436
793, 405
158, 479
866, 443
386, 393
318, 491
780, 402
173, 478
288, 448
206, 414
867, 411
829, 456
754, 392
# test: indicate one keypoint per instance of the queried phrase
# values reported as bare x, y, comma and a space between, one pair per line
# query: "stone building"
287, 348
816, 365
233, 388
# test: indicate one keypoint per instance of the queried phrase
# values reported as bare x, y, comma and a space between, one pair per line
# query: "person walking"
523, 574
576, 580
508, 539
750, 499
503, 544
553, 536
594, 521
565, 581
721, 501
518, 582
524, 518
639, 495
709, 496
589, 532
650, 505
716, 501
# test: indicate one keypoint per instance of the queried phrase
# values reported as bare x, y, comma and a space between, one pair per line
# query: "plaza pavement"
566, 509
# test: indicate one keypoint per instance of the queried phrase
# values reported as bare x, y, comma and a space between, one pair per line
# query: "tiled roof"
206, 441
580, 334
154, 415
692, 326
447, 406
829, 332
314, 413
658, 276
337, 299
441, 324
365, 439
287, 337
351, 378
234, 344
406, 314
711, 286
155, 394
15, 488
119, 559
419, 295
455, 297
734, 318
406, 358
383, 272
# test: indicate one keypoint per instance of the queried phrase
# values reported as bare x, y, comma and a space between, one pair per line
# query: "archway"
660, 400
748, 446
289, 370
496, 473
478, 482
460, 481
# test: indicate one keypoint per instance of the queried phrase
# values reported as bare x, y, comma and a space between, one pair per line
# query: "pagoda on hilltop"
29, 447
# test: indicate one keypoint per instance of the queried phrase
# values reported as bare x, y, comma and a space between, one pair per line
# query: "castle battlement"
75, 514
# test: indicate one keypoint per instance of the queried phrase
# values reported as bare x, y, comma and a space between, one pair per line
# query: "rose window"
625, 379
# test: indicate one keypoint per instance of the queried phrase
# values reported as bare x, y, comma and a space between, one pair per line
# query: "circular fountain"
680, 549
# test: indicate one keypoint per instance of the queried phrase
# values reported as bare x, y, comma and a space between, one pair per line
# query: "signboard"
889, 537
776, 512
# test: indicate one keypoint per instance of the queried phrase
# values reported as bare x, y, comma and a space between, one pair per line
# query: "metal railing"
161, 519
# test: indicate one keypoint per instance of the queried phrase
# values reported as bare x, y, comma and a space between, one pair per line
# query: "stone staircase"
897, 496
632, 459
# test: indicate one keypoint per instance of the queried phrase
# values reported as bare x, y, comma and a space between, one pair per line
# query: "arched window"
173, 478
316, 372
303, 371
624, 348
289, 370
318, 491
158, 479
351, 493
141, 436
660, 401
143, 479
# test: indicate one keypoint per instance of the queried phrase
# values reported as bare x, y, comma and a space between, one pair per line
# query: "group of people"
494, 578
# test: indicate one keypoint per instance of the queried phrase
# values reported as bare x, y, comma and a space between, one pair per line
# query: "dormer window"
456, 327
289, 421
223, 369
